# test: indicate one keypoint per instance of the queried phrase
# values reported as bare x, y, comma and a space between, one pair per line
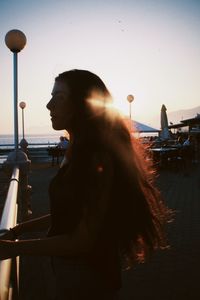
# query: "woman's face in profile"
60, 106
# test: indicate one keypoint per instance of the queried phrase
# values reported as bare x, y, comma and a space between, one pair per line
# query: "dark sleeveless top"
69, 192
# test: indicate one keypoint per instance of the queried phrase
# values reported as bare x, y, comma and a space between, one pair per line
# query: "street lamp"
15, 40
23, 143
22, 105
130, 99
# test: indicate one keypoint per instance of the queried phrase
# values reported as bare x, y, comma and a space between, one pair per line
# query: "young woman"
105, 212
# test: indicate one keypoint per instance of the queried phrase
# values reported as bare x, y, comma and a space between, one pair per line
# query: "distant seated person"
64, 142
180, 142
188, 142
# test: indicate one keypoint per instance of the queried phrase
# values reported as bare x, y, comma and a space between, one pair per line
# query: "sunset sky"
148, 48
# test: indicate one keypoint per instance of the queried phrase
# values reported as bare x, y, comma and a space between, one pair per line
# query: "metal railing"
35, 145
8, 274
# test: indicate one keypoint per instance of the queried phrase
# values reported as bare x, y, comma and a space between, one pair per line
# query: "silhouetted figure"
106, 214
187, 154
63, 144
24, 145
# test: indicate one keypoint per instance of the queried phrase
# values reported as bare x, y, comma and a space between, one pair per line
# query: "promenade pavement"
169, 275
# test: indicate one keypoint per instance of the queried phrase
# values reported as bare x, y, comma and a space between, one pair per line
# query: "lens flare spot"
99, 169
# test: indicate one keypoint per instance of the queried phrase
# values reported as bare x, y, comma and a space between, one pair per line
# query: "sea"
43, 140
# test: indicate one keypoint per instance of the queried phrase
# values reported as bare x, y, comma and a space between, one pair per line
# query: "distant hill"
179, 115
176, 116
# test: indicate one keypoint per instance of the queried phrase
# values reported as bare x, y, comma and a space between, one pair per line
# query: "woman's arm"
62, 245
37, 224
34, 225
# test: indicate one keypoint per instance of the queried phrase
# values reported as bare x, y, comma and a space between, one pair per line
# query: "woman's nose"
49, 105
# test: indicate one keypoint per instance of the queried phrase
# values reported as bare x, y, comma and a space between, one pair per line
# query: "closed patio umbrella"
165, 135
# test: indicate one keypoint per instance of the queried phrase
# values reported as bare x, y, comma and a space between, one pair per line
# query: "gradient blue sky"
147, 48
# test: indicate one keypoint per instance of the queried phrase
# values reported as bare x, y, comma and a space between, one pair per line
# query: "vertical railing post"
15, 91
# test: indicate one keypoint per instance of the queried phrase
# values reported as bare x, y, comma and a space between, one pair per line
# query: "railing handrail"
31, 144
8, 219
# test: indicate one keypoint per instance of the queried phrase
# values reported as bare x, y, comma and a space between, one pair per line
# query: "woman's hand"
6, 250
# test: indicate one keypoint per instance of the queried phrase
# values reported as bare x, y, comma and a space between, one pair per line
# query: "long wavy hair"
143, 214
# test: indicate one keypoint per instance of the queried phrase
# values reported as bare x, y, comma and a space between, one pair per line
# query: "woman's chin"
57, 127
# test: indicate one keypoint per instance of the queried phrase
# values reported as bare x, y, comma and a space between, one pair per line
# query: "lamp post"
130, 99
23, 143
22, 105
15, 40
